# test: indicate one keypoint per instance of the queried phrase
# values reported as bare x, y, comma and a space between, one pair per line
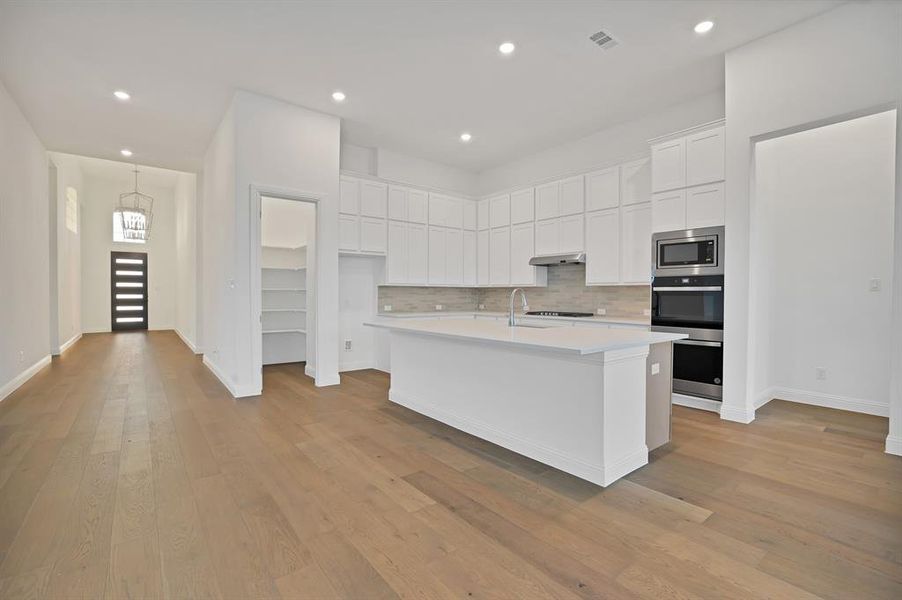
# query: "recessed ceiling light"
338, 96
465, 137
507, 48
125, 152
122, 95
704, 27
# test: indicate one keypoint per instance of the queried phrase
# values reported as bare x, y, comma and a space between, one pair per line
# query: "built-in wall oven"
688, 297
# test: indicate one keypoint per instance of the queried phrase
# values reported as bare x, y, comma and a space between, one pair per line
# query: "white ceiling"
416, 73
124, 173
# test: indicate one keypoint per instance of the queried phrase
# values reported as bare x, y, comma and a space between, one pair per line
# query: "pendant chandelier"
135, 212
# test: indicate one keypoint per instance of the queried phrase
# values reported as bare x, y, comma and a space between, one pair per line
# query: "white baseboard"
186, 341
894, 445
310, 371
324, 381
859, 405
237, 391
356, 366
696, 402
764, 397
66, 345
737, 414
22, 377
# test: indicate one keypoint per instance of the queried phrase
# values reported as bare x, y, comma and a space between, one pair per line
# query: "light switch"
386, 308
438, 307
655, 368
874, 286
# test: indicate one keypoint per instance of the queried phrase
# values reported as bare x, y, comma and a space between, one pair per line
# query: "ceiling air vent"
603, 39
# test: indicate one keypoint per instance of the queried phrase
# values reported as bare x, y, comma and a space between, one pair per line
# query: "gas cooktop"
557, 313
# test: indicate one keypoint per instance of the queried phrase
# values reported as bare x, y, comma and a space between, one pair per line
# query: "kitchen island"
571, 397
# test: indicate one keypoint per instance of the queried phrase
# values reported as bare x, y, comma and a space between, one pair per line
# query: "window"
72, 209
133, 218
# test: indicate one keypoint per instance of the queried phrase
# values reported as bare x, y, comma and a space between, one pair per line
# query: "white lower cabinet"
348, 233
705, 206
603, 247
500, 256
417, 254
635, 235
669, 210
470, 260
482, 257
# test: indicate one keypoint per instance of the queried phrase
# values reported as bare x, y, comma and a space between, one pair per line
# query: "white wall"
824, 214
358, 278
798, 77
24, 248
186, 257
101, 197
68, 250
608, 146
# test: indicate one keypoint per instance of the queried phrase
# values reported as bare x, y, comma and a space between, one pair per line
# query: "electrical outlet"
646, 312
21, 356
347, 345
439, 307
874, 285
482, 307
386, 308
655, 368
601, 311
820, 373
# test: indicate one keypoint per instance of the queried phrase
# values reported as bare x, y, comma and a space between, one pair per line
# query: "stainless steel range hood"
552, 260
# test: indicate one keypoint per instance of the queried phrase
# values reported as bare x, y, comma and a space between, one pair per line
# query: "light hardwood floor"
127, 471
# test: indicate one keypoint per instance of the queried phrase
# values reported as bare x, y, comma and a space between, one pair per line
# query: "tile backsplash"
566, 290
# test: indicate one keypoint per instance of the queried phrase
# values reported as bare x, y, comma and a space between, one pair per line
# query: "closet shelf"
282, 289
265, 331
303, 310
284, 268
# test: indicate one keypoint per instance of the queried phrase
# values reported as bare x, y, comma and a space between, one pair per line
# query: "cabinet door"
603, 189
349, 196
635, 182
397, 203
454, 257
454, 216
483, 210
373, 199
417, 206
438, 210
522, 249
501, 211
482, 257
348, 233
372, 235
470, 260
705, 206
469, 215
572, 234
705, 157
396, 253
417, 253
635, 237
573, 191
500, 256
669, 211
523, 207
603, 247
548, 237
668, 165
437, 260
548, 201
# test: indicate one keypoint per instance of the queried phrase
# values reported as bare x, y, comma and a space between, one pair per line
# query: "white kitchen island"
570, 397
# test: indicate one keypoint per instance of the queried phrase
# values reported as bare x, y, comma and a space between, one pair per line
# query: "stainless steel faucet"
511, 318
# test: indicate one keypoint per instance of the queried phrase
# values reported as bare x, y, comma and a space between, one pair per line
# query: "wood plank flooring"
127, 471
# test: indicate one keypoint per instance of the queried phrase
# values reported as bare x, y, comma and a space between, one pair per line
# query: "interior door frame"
257, 192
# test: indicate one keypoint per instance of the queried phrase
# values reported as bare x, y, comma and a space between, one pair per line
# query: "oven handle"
701, 288
699, 343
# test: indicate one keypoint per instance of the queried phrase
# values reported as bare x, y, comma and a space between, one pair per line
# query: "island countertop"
576, 339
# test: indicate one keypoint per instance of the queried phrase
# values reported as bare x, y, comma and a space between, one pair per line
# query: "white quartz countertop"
576, 339
483, 313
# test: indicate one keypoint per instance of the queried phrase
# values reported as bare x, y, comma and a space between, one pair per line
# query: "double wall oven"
687, 297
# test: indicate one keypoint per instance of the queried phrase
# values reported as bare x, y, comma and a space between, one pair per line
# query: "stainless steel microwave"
689, 252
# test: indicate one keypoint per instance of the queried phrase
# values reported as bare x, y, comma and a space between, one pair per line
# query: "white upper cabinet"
522, 249
349, 196
548, 201
469, 215
548, 237
454, 257
373, 199
705, 206
571, 234
483, 210
500, 211
482, 257
523, 209
500, 256
348, 233
396, 257
705, 157
603, 247
669, 210
635, 233
635, 182
470, 258
603, 189
668, 165
572, 196
372, 235
417, 254
417, 206
454, 216
437, 255
397, 203
438, 209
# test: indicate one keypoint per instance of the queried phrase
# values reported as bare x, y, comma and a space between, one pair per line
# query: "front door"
128, 290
